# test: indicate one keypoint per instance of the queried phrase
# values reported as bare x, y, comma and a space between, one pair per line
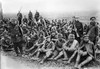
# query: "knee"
61, 53
38, 50
55, 52
89, 58
48, 53
80, 52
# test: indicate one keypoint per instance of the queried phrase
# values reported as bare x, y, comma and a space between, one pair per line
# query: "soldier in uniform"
30, 15
37, 15
58, 46
6, 43
38, 45
69, 47
48, 48
30, 18
77, 29
19, 16
86, 52
25, 20
17, 38
92, 30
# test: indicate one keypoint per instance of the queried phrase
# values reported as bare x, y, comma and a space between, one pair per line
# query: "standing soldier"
1, 13
37, 15
30, 15
30, 18
16, 37
19, 15
92, 30
25, 20
78, 28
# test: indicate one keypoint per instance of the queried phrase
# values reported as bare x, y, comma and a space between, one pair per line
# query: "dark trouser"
93, 39
69, 53
78, 39
18, 48
19, 21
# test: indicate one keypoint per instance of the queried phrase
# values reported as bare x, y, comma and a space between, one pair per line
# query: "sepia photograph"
49, 34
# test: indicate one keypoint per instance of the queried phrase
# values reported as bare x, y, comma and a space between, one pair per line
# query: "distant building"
1, 13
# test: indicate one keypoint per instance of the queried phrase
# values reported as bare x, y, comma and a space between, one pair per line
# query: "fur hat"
92, 18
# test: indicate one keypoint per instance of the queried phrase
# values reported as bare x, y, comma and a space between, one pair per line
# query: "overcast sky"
58, 6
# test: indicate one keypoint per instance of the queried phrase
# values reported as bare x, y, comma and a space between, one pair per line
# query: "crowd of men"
38, 37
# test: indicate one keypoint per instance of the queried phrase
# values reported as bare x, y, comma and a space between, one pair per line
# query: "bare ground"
10, 61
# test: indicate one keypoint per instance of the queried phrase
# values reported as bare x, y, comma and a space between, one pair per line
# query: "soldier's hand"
84, 53
80, 52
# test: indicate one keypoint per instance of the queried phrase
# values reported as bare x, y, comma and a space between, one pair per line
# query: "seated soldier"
48, 48
53, 35
39, 44
58, 46
85, 52
68, 47
30, 44
6, 43
98, 45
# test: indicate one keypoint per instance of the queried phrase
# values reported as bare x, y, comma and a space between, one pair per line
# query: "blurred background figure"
92, 30
19, 17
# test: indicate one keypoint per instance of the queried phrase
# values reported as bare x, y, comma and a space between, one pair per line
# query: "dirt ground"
10, 61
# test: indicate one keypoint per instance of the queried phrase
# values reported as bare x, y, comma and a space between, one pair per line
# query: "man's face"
41, 35
71, 38
93, 20
73, 19
48, 39
53, 34
86, 39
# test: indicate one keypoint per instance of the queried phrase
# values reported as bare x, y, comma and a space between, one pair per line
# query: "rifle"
76, 30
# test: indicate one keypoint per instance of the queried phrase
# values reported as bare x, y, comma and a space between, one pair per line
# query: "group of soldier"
51, 40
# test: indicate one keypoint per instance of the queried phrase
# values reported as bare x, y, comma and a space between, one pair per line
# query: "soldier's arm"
82, 28
75, 47
53, 46
43, 43
64, 46
97, 31
54, 39
91, 50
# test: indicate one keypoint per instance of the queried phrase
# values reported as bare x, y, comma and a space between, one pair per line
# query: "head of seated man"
48, 38
86, 38
41, 34
71, 43
71, 37
60, 38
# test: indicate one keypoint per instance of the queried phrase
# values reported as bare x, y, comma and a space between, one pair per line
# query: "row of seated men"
63, 50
